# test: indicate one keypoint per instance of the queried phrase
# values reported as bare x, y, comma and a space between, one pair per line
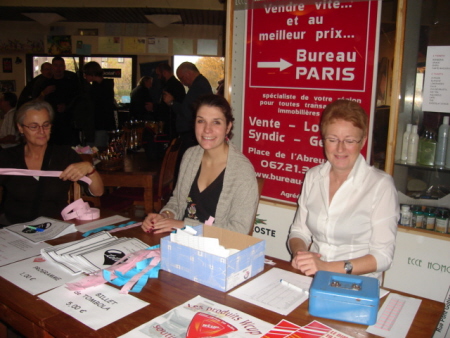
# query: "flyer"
201, 317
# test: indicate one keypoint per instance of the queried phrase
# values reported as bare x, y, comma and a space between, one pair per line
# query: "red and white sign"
299, 58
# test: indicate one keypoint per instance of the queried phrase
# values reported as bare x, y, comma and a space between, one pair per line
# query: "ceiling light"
163, 20
45, 19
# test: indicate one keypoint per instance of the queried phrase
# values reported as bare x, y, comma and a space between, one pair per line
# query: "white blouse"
361, 218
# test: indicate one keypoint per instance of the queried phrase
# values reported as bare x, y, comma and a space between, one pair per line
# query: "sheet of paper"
56, 253
35, 275
315, 329
14, 248
201, 317
443, 327
42, 229
95, 307
268, 292
105, 256
101, 223
395, 316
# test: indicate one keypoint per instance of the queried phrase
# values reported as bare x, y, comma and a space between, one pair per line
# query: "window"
123, 79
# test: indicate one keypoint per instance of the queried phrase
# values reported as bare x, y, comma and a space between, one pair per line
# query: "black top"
202, 205
24, 197
66, 90
139, 96
102, 96
165, 113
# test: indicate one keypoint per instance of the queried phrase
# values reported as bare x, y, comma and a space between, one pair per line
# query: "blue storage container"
344, 297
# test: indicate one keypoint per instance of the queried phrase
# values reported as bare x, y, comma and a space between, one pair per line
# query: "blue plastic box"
214, 271
344, 297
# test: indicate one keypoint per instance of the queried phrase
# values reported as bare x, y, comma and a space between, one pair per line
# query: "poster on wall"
59, 44
309, 55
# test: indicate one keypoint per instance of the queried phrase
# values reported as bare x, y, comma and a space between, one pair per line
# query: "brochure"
42, 229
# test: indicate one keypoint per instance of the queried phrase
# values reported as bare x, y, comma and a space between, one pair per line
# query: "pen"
34, 228
295, 287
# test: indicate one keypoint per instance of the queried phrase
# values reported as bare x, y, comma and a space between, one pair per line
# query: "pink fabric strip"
43, 173
80, 210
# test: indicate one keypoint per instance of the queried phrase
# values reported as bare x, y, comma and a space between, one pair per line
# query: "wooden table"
137, 171
35, 318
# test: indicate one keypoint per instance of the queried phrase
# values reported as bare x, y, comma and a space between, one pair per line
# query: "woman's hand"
308, 262
158, 224
76, 171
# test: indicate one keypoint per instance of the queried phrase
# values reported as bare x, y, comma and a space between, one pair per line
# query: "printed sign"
112, 72
301, 57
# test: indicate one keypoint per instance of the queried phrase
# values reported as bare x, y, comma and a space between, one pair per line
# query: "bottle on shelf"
405, 217
429, 218
406, 135
413, 146
441, 147
441, 220
417, 216
427, 149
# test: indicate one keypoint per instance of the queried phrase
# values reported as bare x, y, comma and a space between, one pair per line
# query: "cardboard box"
216, 272
344, 297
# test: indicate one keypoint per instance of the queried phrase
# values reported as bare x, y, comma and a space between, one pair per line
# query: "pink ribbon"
81, 211
122, 266
43, 173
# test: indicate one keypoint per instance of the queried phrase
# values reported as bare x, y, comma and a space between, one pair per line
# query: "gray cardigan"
239, 197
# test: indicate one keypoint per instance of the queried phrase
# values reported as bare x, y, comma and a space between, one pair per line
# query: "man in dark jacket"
102, 97
198, 85
171, 85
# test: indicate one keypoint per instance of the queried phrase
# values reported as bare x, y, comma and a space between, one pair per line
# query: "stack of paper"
93, 253
42, 229
187, 237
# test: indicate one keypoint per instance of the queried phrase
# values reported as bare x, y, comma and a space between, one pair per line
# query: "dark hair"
143, 80
346, 110
45, 64
93, 69
213, 100
58, 58
33, 105
11, 98
163, 66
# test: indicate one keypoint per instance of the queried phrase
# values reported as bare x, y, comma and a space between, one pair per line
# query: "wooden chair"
74, 193
162, 189
166, 177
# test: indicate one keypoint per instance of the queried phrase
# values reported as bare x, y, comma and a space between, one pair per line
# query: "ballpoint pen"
295, 287
34, 228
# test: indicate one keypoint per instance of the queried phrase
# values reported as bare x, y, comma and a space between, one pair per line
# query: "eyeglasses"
347, 142
36, 127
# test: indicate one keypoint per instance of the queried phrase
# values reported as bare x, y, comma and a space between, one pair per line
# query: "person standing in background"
8, 131
198, 85
102, 97
60, 91
141, 105
34, 88
171, 85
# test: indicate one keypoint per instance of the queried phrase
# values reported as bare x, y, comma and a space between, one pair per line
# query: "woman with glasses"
346, 221
28, 197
